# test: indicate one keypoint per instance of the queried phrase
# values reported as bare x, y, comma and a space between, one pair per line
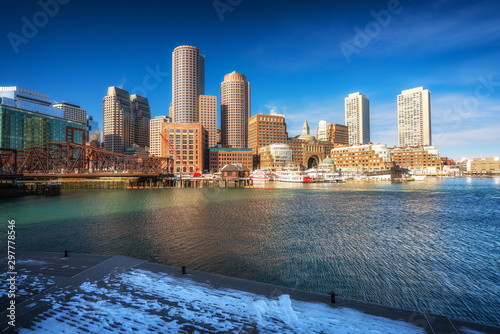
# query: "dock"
90, 293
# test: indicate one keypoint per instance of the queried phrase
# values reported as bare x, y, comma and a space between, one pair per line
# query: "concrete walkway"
43, 274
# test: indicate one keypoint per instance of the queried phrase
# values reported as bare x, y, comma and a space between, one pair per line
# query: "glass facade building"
23, 128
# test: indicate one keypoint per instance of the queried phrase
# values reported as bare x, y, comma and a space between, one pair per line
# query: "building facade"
276, 156
155, 140
125, 120
20, 128
142, 111
419, 159
188, 82
362, 158
29, 100
265, 130
484, 165
357, 118
235, 110
92, 128
208, 117
414, 117
189, 141
333, 133
72, 112
221, 156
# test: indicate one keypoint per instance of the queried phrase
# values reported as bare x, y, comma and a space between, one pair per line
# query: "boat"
418, 177
333, 178
293, 176
263, 174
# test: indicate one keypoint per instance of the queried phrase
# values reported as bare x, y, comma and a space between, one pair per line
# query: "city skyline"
299, 67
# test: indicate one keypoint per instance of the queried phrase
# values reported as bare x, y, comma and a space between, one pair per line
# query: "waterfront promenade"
106, 294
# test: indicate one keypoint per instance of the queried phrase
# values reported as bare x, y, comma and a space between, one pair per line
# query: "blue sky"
300, 58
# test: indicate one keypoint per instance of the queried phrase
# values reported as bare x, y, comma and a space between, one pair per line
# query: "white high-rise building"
357, 118
322, 130
155, 126
188, 82
72, 112
414, 117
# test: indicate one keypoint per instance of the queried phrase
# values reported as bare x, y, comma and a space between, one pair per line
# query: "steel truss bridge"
56, 160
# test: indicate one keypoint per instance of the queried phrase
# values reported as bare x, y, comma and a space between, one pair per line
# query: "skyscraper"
188, 82
414, 117
208, 117
124, 120
235, 109
357, 118
154, 137
142, 111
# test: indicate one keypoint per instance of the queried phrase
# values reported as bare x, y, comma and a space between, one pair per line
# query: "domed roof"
306, 137
327, 161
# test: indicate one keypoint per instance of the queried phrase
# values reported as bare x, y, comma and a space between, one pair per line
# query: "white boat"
333, 178
293, 176
418, 177
262, 174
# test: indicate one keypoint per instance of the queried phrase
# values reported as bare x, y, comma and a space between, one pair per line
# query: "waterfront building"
221, 156
234, 171
125, 120
362, 158
72, 112
208, 117
414, 117
235, 110
265, 130
188, 82
190, 142
155, 140
484, 165
419, 159
92, 128
357, 118
276, 156
333, 133
21, 128
29, 100
142, 111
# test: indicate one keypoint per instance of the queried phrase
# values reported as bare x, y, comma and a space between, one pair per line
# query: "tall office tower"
72, 112
357, 118
235, 109
208, 117
188, 82
118, 128
414, 117
154, 137
264, 130
140, 107
322, 130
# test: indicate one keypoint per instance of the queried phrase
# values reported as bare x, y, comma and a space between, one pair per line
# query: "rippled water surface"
432, 246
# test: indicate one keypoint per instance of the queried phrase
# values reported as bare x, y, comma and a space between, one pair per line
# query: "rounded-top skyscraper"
188, 82
235, 110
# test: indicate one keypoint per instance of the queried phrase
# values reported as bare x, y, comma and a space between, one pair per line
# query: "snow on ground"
140, 301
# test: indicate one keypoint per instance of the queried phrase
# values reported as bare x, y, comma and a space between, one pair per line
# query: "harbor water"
433, 246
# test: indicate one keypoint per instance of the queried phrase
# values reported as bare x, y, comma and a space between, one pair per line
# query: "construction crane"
172, 149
